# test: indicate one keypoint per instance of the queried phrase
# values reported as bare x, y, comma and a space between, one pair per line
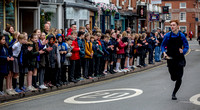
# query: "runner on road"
174, 47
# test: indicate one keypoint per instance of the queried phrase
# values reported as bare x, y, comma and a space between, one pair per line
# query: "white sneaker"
119, 71
43, 87
134, 66
14, 92
33, 89
9, 92
124, 70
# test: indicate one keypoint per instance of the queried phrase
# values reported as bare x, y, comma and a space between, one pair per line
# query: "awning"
82, 6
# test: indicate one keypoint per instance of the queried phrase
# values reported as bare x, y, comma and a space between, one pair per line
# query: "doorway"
26, 20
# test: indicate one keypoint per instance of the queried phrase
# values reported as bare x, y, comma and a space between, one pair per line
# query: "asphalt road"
147, 90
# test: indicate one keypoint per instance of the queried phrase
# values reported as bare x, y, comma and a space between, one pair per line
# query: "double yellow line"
74, 88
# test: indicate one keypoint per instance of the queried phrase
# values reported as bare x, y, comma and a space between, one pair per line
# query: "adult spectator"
48, 22
73, 27
87, 29
190, 34
128, 30
82, 29
46, 28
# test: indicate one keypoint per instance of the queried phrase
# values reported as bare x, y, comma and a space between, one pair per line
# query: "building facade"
27, 15
186, 11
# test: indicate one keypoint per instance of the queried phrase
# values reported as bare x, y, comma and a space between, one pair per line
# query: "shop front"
8, 14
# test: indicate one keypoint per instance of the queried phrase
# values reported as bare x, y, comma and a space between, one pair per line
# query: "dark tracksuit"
175, 65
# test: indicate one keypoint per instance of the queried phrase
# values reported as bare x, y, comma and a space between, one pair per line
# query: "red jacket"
69, 31
75, 51
121, 46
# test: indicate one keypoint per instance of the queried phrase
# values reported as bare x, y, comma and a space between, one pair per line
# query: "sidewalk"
108, 76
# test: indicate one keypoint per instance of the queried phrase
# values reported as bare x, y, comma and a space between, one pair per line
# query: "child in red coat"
120, 51
74, 59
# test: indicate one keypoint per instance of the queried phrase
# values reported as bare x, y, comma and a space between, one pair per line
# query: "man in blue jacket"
177, 46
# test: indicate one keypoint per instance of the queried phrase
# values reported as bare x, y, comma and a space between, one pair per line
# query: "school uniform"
3, 64
67, 59
151, 47
88, 60
105, 50
16, 50
81, 43
98, 53
42, 62
112, 53
23, 64
74, 62
142, 52
62, 47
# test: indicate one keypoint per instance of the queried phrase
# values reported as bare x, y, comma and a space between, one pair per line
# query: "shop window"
107, 22
1, 17
183, 17
183, 28
10, 12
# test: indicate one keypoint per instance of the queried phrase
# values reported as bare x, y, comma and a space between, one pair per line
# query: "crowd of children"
50, 58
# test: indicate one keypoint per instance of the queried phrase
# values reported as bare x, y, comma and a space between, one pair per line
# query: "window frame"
185, 17
166, 27
183, 7
185, 28
170, 7
170, 17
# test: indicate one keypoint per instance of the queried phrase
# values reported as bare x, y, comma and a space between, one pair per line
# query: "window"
168, 17
117, 3
183, 28
182, 5
183, 17
168, 4
130, 5
167, 28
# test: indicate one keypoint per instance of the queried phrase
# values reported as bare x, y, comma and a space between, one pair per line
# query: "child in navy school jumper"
142, 45
52, 62
74, 59
35, 72
106, 50
97, 55
4, 58
81, 43
34, 53
113, 44
9, 80
120, 51
23, 62
88, 57
62, 47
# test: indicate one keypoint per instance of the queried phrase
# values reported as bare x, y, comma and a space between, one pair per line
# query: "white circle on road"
194, 99
104, 96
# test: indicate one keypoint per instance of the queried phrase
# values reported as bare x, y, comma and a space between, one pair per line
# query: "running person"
177, 46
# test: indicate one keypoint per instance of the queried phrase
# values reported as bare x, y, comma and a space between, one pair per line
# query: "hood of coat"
6, 33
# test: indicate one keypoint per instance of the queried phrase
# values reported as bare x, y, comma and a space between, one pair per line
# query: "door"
26, 20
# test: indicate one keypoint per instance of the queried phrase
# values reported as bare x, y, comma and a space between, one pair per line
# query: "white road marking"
104, 96
194, 99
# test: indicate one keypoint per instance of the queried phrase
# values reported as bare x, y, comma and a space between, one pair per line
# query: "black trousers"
98, 65
150, 55
63, 76
1, 82
142, 59
86, 67
74, 69
82, 67
123, 63
21, 80
176, 72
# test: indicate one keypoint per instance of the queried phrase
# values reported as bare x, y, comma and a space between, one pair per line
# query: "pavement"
146, 88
